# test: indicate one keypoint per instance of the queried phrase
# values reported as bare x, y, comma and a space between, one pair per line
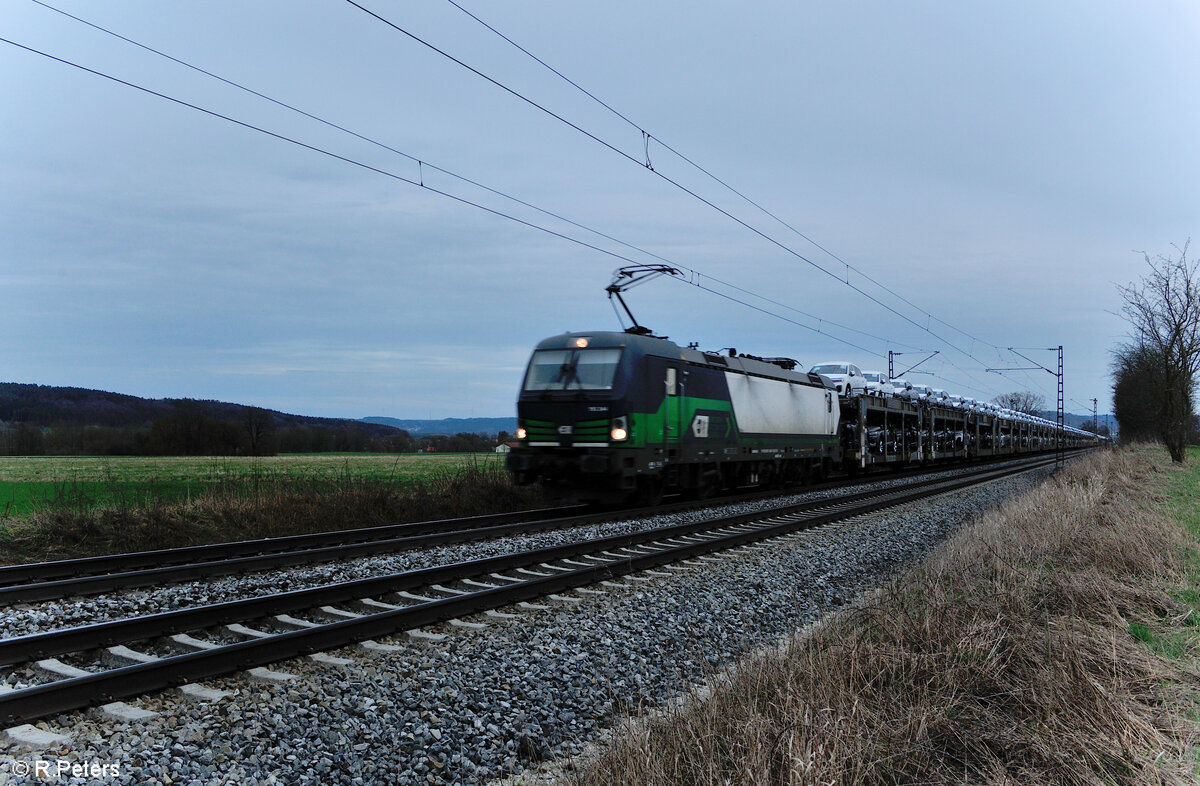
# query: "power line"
315, 149
807, 327
820, 320
421, 163
647, 137
646, 165
696, 275
553, 70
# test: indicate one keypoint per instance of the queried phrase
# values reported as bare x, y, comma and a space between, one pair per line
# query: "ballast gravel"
28, 618
485, 704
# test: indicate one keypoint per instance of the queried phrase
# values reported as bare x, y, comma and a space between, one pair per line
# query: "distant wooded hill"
484, 426
42, 419
45, 406
1078, 421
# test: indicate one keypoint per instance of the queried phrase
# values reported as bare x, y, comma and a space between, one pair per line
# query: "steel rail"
259, 555
51, 580
31, 572
32, 582
102, 634
26, 704
174, 574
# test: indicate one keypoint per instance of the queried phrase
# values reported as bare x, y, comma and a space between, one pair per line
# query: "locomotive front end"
573, 419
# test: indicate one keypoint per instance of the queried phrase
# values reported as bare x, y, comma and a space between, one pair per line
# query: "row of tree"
196, 434
1035, 404
1154, 373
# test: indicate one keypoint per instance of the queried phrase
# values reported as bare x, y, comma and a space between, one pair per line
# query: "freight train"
627, 416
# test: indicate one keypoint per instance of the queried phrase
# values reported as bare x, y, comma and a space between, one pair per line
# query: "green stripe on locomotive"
647, 428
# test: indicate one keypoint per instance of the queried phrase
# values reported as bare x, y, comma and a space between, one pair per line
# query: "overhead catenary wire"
422, 164
642, 164
314, 148
421, 183
647, 137
694, 279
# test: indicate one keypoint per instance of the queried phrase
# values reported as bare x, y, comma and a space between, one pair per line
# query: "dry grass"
1005, 659
244, 508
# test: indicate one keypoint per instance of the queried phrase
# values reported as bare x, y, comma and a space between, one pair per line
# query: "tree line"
49, 420
200, 434
1154, 373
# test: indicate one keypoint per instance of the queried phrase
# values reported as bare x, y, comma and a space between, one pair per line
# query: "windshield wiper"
568, 372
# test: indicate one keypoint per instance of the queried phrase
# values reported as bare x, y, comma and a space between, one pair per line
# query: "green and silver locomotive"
610, 416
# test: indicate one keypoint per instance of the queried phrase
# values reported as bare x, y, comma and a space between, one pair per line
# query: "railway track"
89, 575
179, 648
45, 581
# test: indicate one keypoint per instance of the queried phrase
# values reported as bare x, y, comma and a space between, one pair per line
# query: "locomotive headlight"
521, 432
581, 343
620, 429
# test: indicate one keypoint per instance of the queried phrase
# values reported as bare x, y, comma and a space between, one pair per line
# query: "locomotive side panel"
768, 406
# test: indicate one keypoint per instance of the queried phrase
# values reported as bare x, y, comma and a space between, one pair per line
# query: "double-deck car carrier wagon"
886, 430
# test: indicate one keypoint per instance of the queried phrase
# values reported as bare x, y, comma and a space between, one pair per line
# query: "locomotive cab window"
572, 369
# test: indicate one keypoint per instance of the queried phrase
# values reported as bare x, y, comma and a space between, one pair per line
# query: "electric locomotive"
610, 416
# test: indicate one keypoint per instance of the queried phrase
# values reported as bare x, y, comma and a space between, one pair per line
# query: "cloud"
146, 248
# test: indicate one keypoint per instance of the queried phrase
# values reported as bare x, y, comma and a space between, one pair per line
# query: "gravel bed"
50, 615
486, 704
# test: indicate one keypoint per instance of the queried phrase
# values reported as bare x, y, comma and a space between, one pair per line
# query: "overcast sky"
1000, 167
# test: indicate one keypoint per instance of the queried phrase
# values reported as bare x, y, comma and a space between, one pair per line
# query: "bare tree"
1022, 401
1164, 309
259, 428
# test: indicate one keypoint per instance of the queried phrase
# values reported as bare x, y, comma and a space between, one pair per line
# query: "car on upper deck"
919, 393
847, 378
879, 384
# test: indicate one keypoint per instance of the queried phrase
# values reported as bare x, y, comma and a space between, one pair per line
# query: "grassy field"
33, 483
59, 508
1178, 637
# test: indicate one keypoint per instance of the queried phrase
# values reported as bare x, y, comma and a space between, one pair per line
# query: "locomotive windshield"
572, 369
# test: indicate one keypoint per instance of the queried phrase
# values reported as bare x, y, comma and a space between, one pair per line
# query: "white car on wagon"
846, 377
879, 384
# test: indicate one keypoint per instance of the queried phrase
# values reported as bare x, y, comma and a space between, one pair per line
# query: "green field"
81, 482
